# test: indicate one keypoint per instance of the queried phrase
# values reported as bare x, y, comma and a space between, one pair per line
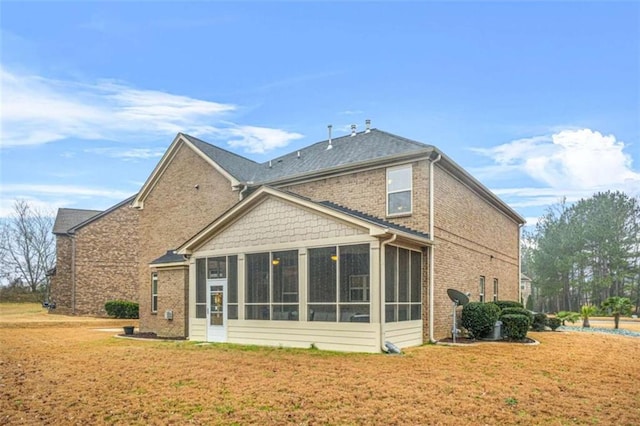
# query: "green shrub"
517, 311
554, 323
121, 309
515, 326
539, 322
479, 318
502, 304
572, 317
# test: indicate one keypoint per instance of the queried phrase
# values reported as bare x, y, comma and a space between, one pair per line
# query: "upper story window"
482, 288
399, 189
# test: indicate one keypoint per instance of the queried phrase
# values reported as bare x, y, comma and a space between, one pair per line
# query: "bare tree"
27, 246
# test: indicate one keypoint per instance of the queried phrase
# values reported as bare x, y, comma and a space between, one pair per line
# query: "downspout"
383, 275
431, 248
524, 302
242, 191
73, 274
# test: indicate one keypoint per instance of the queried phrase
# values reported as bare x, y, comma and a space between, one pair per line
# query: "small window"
495, 289
481, 288
399, 188
154, 292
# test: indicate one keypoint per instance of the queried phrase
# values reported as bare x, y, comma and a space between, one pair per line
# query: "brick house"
344, 244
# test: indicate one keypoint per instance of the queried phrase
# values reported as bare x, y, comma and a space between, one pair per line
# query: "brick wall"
173, 212
173, 294
473, 239
107, 261
366, 191
61, 281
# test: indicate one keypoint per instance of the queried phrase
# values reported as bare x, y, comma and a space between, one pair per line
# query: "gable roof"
376, 227
101, 214
68, 218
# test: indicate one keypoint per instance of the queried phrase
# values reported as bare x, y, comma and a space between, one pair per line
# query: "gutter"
431, 254
524, 302
242, 191
383, 273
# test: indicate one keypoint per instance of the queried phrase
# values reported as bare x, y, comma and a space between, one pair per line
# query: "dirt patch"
152, 336
73, 375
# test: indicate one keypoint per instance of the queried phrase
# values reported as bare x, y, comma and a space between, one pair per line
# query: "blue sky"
538, 100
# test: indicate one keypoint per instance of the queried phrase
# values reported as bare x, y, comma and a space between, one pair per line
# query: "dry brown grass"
69, 373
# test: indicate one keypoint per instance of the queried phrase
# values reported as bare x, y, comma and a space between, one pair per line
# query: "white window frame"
495, 289
482, 287
410, 189
154, 295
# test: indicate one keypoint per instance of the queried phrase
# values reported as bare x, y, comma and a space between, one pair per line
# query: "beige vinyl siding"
347, 337
198, 329
404, 334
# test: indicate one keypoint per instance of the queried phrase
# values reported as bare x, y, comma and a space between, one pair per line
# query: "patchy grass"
71, 373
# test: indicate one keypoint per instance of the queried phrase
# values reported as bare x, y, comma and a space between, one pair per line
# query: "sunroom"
282, 270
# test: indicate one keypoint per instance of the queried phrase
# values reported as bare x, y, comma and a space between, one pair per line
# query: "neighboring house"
525, 289
344, 244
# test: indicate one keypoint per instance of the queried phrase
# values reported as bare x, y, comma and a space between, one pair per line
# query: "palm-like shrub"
585, 312
572, 317
617, 306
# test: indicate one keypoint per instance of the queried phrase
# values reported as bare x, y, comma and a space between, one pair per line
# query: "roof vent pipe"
353, 130
298, 154
367, 125
269, 163
330, 145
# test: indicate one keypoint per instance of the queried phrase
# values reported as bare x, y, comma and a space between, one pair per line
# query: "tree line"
584, 253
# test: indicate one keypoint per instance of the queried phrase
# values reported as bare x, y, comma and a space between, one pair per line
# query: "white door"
217, 310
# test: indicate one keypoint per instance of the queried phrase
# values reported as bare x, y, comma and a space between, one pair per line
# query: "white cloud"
570, 159
571, 164
38, 110
128, 154
258, 140
22, 190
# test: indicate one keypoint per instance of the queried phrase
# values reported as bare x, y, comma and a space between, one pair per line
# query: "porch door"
217, 310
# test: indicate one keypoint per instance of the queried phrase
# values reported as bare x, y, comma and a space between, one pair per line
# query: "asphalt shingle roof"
345, 150
236, 165
169, 257
69, 218
373, 219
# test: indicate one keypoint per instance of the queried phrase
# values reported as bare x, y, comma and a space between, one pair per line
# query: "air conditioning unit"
168, 315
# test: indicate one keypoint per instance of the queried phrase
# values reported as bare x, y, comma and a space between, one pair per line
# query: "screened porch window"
403, 284
339, 287
271, 288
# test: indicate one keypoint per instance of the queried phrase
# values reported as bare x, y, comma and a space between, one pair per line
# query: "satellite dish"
457, 297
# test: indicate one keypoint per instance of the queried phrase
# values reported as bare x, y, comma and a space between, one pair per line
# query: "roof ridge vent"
367, 124
353, 130
329, 127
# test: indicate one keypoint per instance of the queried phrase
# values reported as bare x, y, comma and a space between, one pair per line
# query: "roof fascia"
168, 156
169, 264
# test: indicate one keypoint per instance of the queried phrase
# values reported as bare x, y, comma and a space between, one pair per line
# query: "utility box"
496, 334
168, 315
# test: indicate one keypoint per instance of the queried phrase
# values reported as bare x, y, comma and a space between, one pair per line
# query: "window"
495, 289
403, 284
272, 286
339, 283
201, 288
154, 292
399, 188
481, 288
